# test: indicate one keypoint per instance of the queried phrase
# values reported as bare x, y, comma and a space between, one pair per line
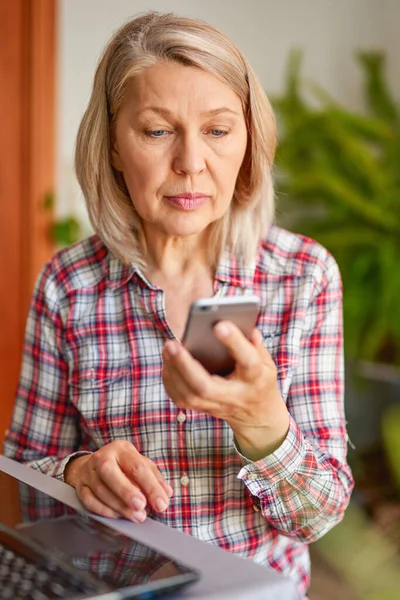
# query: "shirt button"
255, 508
181, 417
185, 480
252, 476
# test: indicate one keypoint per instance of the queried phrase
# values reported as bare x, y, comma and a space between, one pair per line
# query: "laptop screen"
88, 545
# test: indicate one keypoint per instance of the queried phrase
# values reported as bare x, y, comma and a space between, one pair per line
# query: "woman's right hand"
118, 481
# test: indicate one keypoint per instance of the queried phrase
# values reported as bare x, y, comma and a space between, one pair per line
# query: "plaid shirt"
91, 374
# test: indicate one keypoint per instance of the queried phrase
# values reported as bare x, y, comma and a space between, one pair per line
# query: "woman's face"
180, 139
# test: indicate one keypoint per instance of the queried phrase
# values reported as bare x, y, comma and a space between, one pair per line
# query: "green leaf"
378, 97
66, 231
48, 202
338, 190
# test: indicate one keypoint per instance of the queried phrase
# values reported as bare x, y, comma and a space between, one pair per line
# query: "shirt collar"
116, 272
234, 271
231, 270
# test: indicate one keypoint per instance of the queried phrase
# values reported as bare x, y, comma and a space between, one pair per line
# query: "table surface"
223, 575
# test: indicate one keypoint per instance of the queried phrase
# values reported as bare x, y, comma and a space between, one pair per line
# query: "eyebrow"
167, 113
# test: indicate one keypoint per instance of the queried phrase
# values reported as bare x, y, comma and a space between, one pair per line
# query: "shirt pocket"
100, 375
101, 390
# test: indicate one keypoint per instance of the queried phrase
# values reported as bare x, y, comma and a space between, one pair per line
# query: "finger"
183, 396
174, 383
168, 489
256, 338
189, 384
176, 354
144, 473
92, 503
108, 471
102, 493
185, 370
258, 342
178, 363
245, 354
184, 391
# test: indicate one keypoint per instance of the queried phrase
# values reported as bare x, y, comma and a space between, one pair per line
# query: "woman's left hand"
248, 399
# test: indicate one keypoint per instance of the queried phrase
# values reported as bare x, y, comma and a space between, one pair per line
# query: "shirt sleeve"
44, 432
304, 487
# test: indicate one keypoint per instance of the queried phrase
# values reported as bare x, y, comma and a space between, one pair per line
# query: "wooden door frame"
27, 158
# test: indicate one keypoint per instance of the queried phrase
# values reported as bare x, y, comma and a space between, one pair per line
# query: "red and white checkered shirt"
91, 374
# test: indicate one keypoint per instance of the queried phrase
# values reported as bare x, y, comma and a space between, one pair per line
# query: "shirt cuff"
59, 472
277, 466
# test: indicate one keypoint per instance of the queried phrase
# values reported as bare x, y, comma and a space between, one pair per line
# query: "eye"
158, 133
218, 132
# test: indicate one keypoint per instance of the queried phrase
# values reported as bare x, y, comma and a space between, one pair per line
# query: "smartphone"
199, 338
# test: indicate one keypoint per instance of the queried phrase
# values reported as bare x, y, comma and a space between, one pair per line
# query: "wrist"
256, 443
73, 468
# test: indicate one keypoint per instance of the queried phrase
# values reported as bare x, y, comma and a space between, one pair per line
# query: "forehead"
171, 85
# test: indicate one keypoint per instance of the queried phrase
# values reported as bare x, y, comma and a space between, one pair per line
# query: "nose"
189, 158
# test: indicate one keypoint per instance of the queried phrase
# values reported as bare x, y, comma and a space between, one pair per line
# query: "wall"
329, 31
27, 57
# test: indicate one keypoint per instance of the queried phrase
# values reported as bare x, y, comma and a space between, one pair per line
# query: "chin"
186, 227
184, 232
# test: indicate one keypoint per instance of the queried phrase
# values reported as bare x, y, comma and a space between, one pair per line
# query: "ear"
116, 160
115, 157
244, 175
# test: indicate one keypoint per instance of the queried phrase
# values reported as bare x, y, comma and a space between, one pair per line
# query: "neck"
176, 257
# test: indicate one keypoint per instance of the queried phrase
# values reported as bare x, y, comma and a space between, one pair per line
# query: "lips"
187, 200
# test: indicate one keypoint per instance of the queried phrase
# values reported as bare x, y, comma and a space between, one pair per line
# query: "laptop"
51, 551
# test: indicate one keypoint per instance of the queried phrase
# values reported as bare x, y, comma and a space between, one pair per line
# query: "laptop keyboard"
21, 578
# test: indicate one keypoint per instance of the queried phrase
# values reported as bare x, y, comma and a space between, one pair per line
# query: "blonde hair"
136, 46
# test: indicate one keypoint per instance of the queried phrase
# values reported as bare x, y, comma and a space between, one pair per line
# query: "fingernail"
172, 349
222, 329
138, 504
166, 487
139, 517
160, 505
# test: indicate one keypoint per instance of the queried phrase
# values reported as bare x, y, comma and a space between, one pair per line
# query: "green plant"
66, 230
338, 176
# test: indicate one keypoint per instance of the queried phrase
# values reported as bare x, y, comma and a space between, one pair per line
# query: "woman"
174, 156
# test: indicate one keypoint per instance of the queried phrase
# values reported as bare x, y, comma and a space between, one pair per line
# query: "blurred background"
332, 71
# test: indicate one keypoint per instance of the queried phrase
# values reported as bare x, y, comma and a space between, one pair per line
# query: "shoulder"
82, 265
286, 254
